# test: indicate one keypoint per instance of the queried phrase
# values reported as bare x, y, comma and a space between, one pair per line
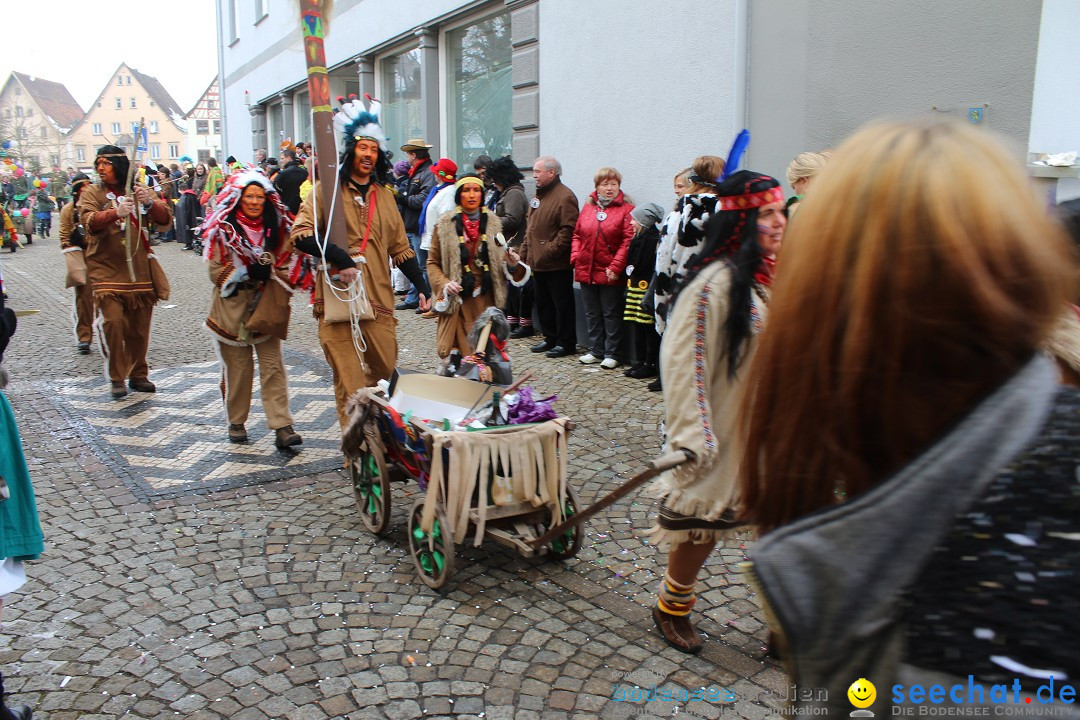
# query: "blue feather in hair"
742, 140
362, 119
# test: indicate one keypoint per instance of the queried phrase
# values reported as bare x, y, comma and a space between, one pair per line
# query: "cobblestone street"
183, 580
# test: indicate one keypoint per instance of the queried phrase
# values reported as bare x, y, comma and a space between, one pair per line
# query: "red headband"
752, 200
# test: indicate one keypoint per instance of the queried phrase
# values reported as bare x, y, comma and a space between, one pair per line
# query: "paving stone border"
202, 476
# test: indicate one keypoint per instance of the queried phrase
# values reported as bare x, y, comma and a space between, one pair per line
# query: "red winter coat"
600, 245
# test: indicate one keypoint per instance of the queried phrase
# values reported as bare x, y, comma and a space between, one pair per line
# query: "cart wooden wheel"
567, 544
371, 487
432, 554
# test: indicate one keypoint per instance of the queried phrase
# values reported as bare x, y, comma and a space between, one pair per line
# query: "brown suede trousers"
238, 374
84, 312
125, 334
380, 336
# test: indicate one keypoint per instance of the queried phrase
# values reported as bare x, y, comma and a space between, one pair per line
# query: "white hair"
550, 163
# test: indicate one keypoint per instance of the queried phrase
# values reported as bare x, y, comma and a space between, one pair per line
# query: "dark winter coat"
601, 245
641, 257
411, 200
513, 209
550, 230
288, 182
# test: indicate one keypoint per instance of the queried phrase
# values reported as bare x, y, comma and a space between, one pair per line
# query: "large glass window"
480, 90
303, 118
399, 90
277, 129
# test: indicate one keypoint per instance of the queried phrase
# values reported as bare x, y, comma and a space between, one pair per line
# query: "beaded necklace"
472, 241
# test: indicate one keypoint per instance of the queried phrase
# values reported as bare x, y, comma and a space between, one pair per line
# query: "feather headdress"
356, 121
216, 228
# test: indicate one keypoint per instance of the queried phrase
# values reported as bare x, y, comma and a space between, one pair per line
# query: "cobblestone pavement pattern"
270, 599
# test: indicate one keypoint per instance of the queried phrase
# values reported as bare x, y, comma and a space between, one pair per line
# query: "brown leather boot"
678, 631
287, 437
142, 385
118, 389
237, 433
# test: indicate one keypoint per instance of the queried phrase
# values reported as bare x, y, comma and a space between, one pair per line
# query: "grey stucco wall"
636, 85
821, 69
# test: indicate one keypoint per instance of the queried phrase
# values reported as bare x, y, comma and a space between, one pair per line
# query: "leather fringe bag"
76, 267
273, 310
159, 280
342, 303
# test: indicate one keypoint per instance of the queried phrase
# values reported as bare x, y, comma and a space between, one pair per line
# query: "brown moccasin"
678, 631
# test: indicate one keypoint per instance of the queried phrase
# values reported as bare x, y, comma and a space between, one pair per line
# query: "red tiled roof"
54, 100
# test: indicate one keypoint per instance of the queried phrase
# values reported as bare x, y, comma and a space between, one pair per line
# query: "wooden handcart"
507, 484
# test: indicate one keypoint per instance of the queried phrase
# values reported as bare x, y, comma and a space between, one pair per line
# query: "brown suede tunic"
444, 265
387, 239
228, 314
106, 256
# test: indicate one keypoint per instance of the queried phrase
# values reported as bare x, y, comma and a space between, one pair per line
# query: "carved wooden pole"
315, 24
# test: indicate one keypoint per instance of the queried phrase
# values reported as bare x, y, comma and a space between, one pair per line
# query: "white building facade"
646, 87
204, 127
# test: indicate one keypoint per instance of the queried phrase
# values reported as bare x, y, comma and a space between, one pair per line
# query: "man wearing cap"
411, 203
360, 351
73, 245
440, 200
118, 264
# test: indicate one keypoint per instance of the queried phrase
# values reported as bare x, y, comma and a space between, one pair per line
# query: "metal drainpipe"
221, 84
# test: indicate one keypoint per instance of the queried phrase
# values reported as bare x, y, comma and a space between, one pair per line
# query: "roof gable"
53, 99
212, 92
157, 92
159, 95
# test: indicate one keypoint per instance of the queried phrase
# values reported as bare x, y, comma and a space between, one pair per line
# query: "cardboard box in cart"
434, 398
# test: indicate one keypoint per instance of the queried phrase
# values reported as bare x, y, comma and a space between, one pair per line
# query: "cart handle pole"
654, 468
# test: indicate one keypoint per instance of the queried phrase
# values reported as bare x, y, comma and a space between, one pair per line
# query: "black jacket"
642, 254
288, 182
411, 199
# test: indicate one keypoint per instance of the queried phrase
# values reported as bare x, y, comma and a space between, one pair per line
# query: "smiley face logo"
862, 693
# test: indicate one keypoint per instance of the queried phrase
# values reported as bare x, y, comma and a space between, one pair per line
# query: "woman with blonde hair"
802, 170
683, 233
910, 455
682, 182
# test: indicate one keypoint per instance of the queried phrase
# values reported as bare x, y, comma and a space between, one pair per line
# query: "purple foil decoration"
527, 410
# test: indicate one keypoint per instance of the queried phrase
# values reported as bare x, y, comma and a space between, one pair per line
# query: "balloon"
44, 182
24, 212
19, 172
37, 183
6, 144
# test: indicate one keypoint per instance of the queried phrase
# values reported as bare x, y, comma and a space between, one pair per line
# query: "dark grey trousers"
604, 318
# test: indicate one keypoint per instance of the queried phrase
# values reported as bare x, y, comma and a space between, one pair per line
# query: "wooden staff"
314, 22
129, 243
654, 468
